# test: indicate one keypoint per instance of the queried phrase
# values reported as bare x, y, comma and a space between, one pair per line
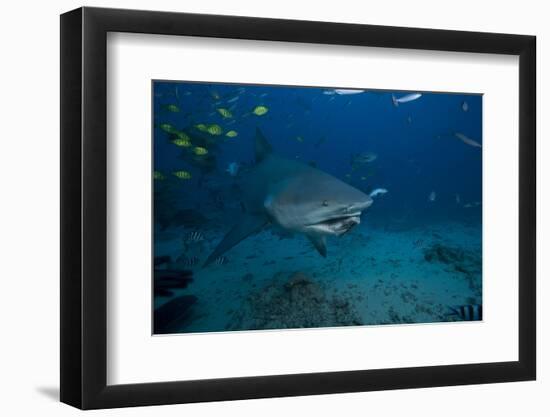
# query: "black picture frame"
84, 207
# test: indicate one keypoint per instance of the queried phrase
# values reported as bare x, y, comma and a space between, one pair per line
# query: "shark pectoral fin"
248, 225
320, 243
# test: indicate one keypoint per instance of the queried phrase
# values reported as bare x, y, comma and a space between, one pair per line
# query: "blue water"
415, 257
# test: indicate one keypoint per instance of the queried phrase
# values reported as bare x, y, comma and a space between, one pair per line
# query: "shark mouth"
336, 226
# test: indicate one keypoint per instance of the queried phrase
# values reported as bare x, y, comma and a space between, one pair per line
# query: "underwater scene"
287, 207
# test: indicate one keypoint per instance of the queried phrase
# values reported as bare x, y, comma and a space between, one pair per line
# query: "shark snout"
358, 207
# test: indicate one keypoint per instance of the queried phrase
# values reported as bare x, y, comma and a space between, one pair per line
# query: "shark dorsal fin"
261, 146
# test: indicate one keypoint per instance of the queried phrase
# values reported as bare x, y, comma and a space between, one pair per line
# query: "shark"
294, 198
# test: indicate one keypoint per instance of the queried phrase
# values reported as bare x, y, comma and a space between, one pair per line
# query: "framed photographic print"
257, 208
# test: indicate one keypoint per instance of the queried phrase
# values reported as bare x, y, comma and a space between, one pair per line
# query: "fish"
182, 175
188, 261
233, 169
464, 105
171, 108
294, 197
467, 140
199, 150
184, 143
432, 196
342, 91
299, 139
469, 312
231, 134
362, 158
161, 260
377, 191
202, 127
166, 280
215, 130
182, 135
168, 128
418, 243
405, 99
226, 114
232, 100
474, 204
457, 198
220, 260
159, 176
194, 237
260, 110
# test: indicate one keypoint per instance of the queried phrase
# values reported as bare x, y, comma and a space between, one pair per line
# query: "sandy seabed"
371, 276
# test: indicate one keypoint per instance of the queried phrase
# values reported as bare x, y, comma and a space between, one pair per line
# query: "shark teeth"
337, 226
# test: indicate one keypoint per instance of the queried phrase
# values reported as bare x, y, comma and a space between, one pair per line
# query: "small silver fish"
374, 193
432, 196
405, 99
346, 92
467, 140
464, 106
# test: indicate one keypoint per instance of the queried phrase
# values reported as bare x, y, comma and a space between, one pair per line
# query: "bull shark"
294, 197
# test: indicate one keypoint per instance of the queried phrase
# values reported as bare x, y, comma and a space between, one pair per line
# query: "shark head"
315, 203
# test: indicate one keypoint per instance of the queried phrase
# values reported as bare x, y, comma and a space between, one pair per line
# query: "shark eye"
325, 203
